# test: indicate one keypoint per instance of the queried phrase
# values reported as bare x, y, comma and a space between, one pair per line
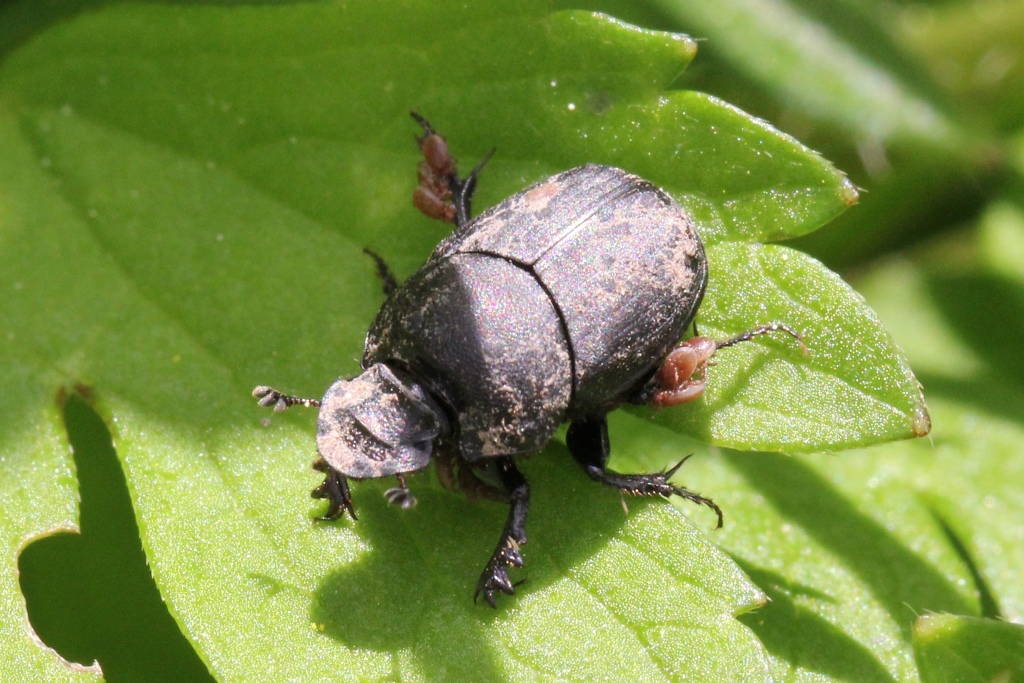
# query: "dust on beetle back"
620, 259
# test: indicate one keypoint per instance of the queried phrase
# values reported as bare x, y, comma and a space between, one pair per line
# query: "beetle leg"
437, 177
441, 194
387, 278
272, 397
444, 466
764, 329
475, 488
462, 191
335, 490
680, 378
506, 554
455, 474
587, 440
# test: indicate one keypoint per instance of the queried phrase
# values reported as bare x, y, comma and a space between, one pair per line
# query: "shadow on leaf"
795, 634
412, 591
903, 582
988, 313
90, 595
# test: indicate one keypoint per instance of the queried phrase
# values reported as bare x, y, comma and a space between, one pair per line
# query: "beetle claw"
494, 578
659, 485
511, 555
495, 574
507, 553
335, 490
683, 492
700, 500
675, 468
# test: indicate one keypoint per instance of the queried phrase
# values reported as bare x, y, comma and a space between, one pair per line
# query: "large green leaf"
853, 387
852, 549
954, 649
184, 195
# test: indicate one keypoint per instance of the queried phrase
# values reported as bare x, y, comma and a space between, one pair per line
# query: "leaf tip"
929, 626
686, 45
921, 421
849, 193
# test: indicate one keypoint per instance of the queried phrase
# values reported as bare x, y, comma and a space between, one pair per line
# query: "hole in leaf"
90, 596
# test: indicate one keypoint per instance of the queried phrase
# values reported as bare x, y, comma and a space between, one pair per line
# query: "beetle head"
377, 424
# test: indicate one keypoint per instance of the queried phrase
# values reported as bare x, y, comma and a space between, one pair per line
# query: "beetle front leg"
506, 554
335, 490
587, 441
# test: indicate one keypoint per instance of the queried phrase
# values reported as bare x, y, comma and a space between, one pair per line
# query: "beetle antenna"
400, 494
272, 398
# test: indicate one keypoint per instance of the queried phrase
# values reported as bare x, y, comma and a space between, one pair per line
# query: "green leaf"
185, 192
739, 178
953, 649
960, 329
842, 547
90, 595
38, 490
851, 550
853, 388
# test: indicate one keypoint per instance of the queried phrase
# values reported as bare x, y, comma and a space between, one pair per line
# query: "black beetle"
559, 304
